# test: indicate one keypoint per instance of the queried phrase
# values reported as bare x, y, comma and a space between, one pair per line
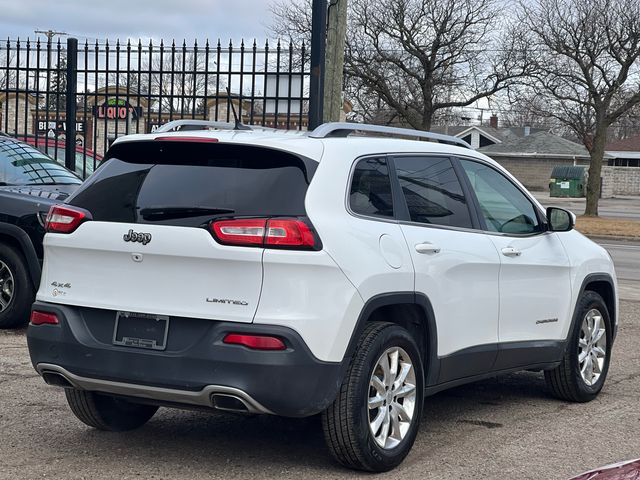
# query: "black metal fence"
72, 100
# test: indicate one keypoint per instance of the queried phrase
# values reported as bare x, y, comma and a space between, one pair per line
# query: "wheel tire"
346, 421
566, 381
105, 412
16, 313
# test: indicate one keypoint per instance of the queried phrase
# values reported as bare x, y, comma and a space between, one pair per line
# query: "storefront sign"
153, 126
119, 109
54, 129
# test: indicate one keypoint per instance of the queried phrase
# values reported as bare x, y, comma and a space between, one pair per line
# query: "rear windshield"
188, 184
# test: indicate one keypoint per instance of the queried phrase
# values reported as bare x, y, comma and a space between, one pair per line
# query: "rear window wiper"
169, 212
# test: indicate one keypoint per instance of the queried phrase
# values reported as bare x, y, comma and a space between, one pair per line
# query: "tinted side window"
21, 164
80, 161
371, 188
504, 207
432, 191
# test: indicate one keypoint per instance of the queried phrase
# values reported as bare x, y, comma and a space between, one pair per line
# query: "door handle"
427, 247
511, 252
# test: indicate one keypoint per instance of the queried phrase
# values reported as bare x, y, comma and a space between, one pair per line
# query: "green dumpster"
567, 181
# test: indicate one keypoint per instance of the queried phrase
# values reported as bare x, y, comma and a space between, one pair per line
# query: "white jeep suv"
301, 273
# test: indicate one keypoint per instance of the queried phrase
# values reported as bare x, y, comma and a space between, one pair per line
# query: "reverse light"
43, 318
286, 233
63, 219
240, 232
255, 342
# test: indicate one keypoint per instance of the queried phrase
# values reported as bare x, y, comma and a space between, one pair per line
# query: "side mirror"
560, 220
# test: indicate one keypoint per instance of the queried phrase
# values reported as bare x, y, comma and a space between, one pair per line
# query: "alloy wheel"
592, 347
6, 286
392, 398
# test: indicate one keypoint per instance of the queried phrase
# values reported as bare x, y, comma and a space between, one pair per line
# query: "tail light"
64, 219
255, 342
291, 233
285, 233
43, 318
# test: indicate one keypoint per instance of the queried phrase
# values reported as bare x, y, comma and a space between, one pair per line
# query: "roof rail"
343, 129
199, 125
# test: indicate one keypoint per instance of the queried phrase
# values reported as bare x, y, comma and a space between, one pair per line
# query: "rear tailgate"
182, 271
148, 246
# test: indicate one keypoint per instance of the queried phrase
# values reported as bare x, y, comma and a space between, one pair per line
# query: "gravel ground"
507, 427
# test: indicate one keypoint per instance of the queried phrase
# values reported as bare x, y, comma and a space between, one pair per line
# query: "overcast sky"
124, 19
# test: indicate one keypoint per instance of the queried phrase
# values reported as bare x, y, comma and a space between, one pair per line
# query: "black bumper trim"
289, 383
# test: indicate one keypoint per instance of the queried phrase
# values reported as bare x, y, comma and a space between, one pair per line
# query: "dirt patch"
608, 227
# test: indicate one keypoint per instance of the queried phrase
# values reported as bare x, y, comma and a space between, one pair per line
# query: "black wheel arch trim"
613, 314
27, 249
431, 365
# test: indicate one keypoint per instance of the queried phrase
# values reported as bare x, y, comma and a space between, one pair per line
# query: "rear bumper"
196, 368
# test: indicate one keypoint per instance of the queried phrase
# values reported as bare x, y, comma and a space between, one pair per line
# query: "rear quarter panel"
352, 241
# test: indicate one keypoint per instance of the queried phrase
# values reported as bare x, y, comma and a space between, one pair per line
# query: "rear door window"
370, 192
432, 191
187, 184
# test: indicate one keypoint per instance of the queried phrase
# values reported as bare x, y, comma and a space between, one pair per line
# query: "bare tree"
409, 61
424, 56
183, 82
291, 20
520, 106
588, 76
7, 75
628, 125
175, 77
176, 81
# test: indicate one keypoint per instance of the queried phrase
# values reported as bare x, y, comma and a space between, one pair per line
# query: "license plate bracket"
141, 330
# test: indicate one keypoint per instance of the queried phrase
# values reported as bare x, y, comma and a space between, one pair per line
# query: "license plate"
141, 330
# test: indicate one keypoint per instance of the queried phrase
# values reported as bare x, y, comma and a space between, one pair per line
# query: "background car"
628, 470
56, 149
30, 182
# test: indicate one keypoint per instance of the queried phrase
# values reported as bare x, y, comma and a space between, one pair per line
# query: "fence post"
318, 46
71, 106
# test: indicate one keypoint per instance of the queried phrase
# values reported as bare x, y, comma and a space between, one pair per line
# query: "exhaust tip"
55, 379
229, 403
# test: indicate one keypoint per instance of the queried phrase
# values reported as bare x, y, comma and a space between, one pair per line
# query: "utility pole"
318, 39
334, 62
49, 33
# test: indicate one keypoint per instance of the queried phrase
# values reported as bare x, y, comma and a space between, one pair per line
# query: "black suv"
30, 182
